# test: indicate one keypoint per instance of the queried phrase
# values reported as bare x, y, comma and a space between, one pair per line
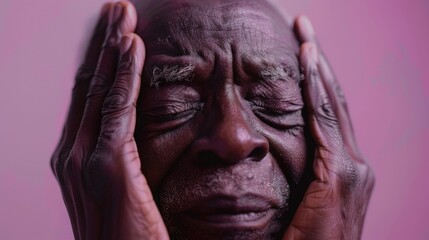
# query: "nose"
228, 139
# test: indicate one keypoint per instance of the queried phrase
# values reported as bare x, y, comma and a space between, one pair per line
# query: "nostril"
257, 154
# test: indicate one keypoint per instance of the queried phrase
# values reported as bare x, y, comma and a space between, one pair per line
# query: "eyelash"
174, 111
266, 110
258, 104
275, 117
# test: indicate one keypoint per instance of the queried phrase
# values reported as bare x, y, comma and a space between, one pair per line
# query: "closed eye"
278, 114
169, 115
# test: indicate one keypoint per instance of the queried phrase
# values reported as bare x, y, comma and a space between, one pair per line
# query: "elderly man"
224, 124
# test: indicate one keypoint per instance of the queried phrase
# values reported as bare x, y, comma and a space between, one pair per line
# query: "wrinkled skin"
235, 139
242, 149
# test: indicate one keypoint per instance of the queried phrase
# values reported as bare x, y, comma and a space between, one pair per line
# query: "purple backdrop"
378, 49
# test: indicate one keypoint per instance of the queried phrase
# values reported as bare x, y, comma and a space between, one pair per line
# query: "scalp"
167, 19
149, 10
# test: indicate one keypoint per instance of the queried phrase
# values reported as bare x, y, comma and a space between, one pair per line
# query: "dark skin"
236, 139
236, 151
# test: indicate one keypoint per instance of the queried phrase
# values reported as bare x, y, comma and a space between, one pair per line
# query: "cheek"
290, 151
158, 154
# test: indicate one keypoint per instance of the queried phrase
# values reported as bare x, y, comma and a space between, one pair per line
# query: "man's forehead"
148, 9
253, 25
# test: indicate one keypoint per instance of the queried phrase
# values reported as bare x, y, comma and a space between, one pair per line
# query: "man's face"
220, 129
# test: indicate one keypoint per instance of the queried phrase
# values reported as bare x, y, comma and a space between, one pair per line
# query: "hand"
334, 205
96, 162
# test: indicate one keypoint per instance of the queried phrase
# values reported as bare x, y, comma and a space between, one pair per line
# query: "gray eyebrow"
270, 73
171, 74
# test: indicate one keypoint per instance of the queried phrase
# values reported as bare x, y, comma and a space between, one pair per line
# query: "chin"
264, 225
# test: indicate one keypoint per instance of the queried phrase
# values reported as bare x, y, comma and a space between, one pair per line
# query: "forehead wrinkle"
188, 24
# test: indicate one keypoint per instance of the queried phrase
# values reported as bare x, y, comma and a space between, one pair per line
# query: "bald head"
170, 18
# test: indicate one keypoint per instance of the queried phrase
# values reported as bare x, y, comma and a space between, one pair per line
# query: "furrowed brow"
274, 73
171, 74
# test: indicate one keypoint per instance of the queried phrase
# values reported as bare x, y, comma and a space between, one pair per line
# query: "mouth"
232, 212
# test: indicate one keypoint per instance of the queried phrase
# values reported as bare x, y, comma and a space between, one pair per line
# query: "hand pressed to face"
219, 133
335, 202
220, 127
96, 161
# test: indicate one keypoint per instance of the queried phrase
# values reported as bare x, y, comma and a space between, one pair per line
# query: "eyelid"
278, 113
273, 103
283, 120
169, 116
171, 107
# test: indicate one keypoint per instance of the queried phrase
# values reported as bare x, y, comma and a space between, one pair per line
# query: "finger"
118, 112
71, 126
122, 21
118, 116
96, 41
305, 33
117, 134
322, 119
80, 90
339, 105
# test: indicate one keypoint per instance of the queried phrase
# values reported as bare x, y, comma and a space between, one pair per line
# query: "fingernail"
117, 12
307, 27
125, 45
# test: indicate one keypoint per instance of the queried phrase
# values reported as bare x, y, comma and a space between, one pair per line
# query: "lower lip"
252, 220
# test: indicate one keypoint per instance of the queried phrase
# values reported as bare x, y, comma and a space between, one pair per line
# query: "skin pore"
220, 128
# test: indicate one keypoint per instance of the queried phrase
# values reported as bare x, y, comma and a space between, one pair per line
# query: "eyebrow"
274, 73
171, 74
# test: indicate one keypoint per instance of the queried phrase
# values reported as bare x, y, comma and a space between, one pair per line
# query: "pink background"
379, 50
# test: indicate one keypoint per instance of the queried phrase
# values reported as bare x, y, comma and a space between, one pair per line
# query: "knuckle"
313, 72
126, 64
357, 174
325, 109
340, 95
113, 37
116, 100
350, 175
368, 177
98, 87
326, 113
73, 163
58, 158
55, 164
82, 81
84, 73
60, 165
338, 90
